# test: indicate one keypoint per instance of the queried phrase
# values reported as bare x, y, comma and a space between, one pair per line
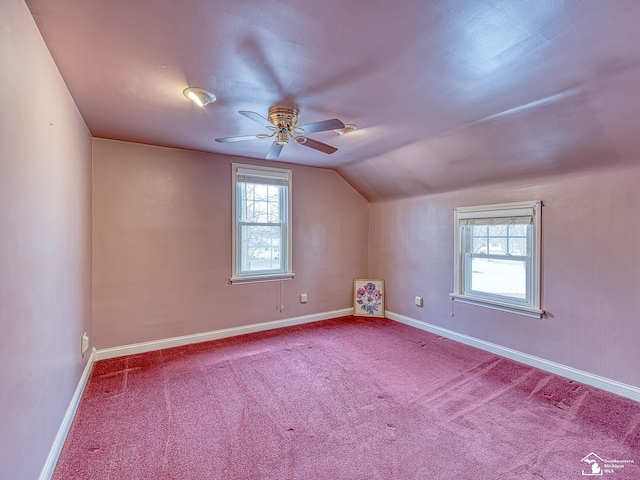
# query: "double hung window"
497, 257
261, 224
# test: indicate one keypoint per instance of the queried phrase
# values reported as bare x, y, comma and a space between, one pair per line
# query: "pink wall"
590, 279
45, 241
162, 245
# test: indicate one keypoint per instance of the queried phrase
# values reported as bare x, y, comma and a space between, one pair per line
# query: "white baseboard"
581, 376
61, 436
143, 347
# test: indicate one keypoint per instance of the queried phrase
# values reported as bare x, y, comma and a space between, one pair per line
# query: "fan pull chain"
279, 297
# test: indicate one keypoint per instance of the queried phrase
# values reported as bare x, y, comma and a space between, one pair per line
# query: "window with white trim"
497, 257
261, 228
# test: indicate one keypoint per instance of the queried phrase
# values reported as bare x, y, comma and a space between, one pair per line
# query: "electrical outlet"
84, 343
419, 302
303, 298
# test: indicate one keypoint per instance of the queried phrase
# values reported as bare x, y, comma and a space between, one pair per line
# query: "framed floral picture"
368, 297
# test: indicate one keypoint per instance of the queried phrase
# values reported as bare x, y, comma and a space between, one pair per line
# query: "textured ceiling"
446, 94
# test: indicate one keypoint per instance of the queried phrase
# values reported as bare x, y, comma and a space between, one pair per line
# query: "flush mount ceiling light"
199, 96
348, 128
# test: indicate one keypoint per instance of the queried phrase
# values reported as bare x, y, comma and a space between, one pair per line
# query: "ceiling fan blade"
257, 118
323, 147
333, 124
239, 138
274, 152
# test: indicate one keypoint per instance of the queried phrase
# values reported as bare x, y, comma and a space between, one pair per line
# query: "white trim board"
153, 345
61, 436
581, 376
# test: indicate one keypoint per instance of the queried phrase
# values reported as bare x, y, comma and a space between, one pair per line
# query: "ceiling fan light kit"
282, 122
199, 96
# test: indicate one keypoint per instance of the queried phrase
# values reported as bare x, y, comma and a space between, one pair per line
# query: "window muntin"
497, 262
262, 224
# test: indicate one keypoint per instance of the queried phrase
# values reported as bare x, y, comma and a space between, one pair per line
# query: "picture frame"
368, 297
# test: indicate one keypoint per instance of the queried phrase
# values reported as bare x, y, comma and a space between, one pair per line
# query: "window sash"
506, 236
477, 292
275, 237
244, 259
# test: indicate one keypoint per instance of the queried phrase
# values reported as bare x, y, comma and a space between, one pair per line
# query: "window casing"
497, 257
261, 230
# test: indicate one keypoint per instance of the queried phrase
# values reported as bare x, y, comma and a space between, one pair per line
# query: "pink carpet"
350, 398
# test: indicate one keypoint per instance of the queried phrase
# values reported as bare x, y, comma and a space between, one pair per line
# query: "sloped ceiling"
446, 94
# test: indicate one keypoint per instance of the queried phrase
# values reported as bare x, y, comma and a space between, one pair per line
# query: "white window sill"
503, 307
261, 278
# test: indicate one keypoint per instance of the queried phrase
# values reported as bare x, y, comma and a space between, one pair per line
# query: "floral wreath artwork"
368, 298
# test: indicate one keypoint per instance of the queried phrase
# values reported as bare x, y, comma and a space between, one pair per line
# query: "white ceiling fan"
282, 125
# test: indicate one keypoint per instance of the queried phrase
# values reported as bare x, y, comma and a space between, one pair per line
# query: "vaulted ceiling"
445, 94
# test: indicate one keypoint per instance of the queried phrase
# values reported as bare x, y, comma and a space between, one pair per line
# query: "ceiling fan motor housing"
283, 117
